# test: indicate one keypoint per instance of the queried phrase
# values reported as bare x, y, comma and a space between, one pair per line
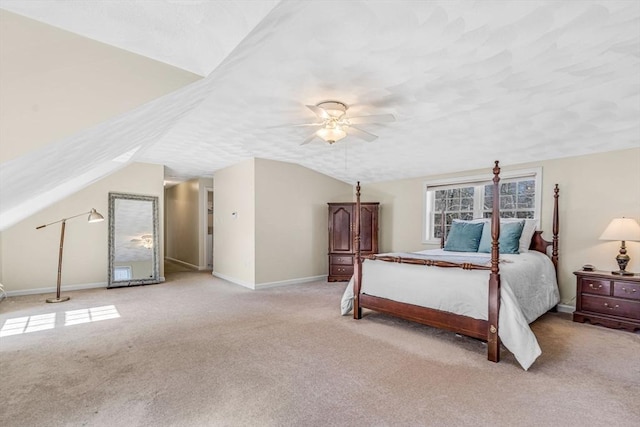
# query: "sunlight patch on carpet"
42, 322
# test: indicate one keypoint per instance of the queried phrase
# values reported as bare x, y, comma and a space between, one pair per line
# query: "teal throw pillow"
509, 241
464, 237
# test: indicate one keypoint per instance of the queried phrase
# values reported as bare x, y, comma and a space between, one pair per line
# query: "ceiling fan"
335, 124
146, 241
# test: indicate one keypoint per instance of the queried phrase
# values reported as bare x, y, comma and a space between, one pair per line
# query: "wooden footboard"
427, 316
486, 330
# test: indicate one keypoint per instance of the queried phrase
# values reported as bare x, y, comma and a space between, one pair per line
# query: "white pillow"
527, 232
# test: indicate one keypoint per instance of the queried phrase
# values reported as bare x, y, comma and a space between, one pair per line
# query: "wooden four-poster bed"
483, 329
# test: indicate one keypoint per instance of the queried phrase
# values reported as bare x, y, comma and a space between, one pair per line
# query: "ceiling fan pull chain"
345, 156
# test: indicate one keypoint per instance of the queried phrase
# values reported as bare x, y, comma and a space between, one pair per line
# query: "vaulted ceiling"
468, 81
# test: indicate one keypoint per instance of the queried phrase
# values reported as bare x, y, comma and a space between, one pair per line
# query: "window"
122, 273
472, 197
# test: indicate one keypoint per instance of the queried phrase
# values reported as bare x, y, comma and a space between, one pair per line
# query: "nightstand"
609, 300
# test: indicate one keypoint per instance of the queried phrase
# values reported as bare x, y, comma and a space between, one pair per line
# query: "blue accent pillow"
464, 237
509, 241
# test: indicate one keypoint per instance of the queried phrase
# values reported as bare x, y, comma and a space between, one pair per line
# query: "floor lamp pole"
59, 284
93, 217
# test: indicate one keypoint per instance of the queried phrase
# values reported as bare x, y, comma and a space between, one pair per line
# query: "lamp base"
622, 273
61, 299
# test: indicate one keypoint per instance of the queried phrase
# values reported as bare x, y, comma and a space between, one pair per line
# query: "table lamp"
623, 229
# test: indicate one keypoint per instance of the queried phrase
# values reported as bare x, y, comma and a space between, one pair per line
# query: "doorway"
209, 227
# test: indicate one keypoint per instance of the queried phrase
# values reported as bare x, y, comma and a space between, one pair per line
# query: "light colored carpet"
198, 351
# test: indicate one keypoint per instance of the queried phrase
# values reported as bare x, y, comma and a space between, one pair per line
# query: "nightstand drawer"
611, 306
341, 270
593, 286
341, 259
626, 290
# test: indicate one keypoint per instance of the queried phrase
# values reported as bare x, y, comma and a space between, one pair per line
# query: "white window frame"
478, 181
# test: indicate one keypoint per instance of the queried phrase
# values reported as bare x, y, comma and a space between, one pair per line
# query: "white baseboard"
52, 289
186, 264
255, 286
291, 282
564, 308
234, 280
63, 288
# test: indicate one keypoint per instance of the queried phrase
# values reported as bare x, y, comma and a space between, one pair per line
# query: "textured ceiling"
468, 81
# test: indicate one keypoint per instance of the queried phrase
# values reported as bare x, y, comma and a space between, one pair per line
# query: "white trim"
291, 282
186, 264
52, 289
565, 308
477, 179
254, 286
235, 281
65, 288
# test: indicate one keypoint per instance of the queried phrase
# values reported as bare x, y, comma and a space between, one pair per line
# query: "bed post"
357, 265
493, 340
556, 224
443, 229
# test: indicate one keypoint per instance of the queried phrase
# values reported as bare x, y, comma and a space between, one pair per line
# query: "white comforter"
528, 290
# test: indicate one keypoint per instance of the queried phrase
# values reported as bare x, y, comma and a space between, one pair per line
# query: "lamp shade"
95, 216
626, 229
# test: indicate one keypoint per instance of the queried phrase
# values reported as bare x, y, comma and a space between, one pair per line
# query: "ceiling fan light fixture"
335, 124
331, 134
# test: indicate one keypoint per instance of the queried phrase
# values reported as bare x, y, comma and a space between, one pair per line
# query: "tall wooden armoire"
342, 234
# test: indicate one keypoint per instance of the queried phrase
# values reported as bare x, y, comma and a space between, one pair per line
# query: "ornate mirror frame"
154, 277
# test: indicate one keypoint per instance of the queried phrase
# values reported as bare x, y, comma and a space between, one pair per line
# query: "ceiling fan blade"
376, 118
309, 139
307, 124
295, 125
359, 133
320, 112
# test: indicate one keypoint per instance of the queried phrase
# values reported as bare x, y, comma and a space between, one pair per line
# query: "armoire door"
369, 228
340, 225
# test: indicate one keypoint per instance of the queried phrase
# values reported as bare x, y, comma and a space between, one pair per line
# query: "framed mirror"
133, 240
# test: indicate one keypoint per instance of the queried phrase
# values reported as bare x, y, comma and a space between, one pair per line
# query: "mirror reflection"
133, 240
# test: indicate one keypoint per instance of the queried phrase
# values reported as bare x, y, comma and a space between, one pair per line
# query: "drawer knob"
595, 287
626, 291
606, 304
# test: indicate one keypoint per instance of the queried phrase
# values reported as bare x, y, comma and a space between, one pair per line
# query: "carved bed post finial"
495, 220
357, 262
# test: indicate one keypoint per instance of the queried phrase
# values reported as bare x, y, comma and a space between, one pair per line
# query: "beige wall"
234, 235
593, 190
55, 83
291, 220
280, 233
30, 257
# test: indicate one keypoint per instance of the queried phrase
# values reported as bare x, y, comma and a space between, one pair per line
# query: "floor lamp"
94, 216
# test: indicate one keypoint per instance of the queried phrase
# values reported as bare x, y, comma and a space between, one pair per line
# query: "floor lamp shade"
622, 229
94, 216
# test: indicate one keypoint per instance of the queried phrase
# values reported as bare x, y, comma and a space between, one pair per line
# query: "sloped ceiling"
469, 82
